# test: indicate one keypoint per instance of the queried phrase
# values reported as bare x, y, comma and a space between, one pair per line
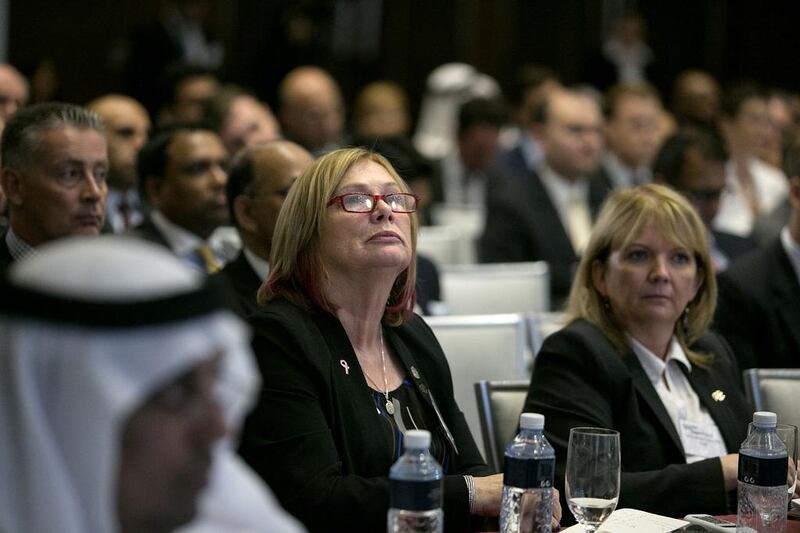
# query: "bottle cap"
765, 419
417, 438
531, 421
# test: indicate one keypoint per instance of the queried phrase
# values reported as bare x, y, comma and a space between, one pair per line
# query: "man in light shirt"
759, 295
547, 215
182, 175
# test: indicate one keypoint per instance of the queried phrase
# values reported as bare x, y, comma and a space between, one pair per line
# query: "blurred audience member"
311, 109
693, 163
532, 85
381, 110
464, 171
759, 309
182, 177
784, 125
258, 181
182, 33
696, 99
633, 134
241, 119
754, 188
55, 163
626, 57
547, 215
120, 376
127, 127
637, 357
189, 91
13, 92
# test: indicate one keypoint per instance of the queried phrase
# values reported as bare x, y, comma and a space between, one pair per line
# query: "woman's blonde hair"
623, 217
297, 269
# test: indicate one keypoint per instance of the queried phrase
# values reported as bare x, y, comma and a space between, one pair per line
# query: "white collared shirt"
18, 248
260, 266
622, 176
679, 398
182, 242
771, 188
114, 200
563, 193
792, 250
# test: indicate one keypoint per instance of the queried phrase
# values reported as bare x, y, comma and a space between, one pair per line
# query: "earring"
685, 318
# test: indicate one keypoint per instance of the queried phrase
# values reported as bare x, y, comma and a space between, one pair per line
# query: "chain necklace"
388, 405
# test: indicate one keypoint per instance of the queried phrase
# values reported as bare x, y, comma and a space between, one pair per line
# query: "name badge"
701, 440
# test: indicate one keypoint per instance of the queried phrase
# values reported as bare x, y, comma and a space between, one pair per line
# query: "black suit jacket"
759, 309
5, 254
315, 436
579, 379
244, 281
733, 246
148, 231
522, 224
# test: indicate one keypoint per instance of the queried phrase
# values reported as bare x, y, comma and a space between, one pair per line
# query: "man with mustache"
54, 166
182, 176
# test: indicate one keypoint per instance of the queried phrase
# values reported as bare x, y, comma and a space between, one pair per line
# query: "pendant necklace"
388, 405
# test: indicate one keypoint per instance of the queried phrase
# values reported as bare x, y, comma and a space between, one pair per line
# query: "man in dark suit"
55, 162
259, 180
547, 215
759, 295
127, 127
182, 176
693, 163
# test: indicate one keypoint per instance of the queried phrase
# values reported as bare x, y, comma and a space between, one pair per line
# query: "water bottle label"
528, 473
764, 472
416, 495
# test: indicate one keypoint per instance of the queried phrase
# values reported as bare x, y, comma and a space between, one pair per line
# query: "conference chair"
499, 406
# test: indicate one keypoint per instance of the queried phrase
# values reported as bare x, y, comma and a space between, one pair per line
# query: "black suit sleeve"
736, 319
574, 387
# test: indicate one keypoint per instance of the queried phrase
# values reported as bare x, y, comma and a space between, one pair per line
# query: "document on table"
634, 521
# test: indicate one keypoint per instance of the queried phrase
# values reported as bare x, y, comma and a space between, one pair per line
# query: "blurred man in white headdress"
122, 380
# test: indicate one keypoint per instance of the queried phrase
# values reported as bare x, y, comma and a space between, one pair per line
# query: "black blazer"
5, 254
149, 232
244, 281
733, 246
522, 224
579, 379
759, 309
313, 436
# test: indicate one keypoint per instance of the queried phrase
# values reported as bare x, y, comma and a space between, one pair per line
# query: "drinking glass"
788, 435
592, 478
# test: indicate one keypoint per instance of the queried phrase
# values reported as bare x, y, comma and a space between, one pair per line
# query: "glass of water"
592, 479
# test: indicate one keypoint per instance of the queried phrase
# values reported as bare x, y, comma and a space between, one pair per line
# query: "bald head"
127, 127
248, 121
13, 91
311, 108
258, 182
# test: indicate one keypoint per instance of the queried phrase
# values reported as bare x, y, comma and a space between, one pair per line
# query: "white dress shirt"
699, 433
260, 266
734, 215
183, 242
622, 176
571, 200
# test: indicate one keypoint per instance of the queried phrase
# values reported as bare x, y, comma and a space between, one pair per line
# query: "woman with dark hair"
347, 366
637, 356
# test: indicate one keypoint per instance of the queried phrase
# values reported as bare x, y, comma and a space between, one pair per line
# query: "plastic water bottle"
529, 465
763, 467
416, 488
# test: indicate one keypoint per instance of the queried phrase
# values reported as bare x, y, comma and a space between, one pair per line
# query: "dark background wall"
86, 40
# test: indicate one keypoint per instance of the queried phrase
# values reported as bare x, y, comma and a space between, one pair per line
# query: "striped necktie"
209, 259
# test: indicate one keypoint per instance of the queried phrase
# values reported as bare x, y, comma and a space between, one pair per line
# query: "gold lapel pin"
718, 396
